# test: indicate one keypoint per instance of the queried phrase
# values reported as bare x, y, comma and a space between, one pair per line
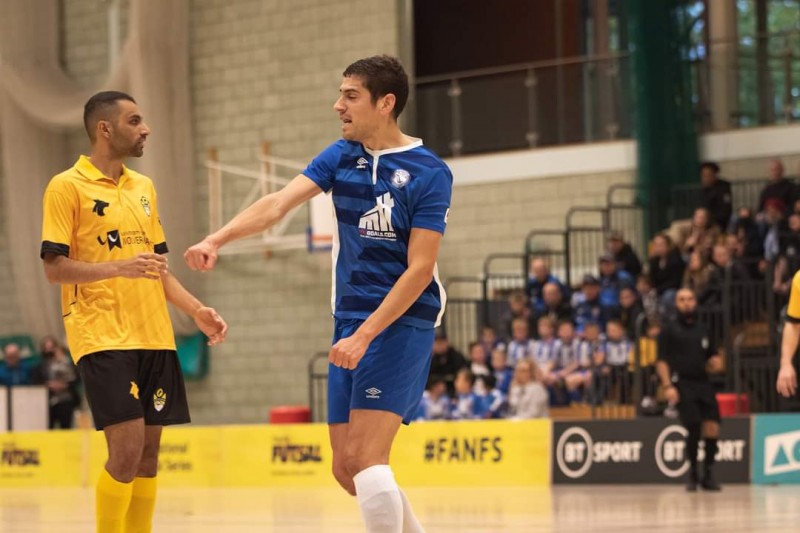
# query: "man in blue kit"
391, 198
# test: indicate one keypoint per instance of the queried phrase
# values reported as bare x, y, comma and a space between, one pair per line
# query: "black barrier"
687, 198
642, 451
586, 240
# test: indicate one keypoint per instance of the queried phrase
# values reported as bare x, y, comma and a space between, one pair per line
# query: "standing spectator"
698, 272
521, 345
477, 360
775, 224
501, 371
573, 362
47, 346
612, 280
14, 370
789, 259
715, 194
435, 403
59, 374
445, 363
517, 308
666, 270
556, 308
588, 307
528, 398
702, 234
649, 297
630, 307
538, 277
624, 255
723, 262
466, 405
619, 353
544, 347
779, 188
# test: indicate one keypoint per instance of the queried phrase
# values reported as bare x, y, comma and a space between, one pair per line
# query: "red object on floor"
290, 414
727, 404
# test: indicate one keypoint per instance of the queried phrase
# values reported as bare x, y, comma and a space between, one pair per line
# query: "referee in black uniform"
685, 356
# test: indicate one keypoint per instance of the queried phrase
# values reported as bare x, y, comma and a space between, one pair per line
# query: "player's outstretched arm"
65, 271
206, 318
264, 213
423, 247
787, 377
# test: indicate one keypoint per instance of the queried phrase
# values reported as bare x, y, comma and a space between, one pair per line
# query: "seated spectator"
774, 224
723, 263
445, 362
623, 254
573, 360
501, 372
751, 240
544, 346
435, 404
587, 304
779, 188
648, 354
789, 257
61, 377
556, 308
15, 371
528, 398
715, 194
477, 360
466, 405
648, 296
666, 271
630, 307
538, 277
618, 353
697, 273
521, 345
612, 280
701, 235
517, 308
494, 401
489, 339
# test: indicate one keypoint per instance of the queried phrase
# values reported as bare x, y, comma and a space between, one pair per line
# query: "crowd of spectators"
52, 368
556, 345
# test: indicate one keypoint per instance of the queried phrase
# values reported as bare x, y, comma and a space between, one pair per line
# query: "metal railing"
687, 198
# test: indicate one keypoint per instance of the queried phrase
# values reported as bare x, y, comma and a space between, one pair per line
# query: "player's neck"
110, 166
386, 138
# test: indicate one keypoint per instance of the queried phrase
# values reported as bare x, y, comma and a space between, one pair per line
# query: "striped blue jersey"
378, 197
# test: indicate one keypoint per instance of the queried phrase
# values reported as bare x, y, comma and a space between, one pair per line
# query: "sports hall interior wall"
269, 70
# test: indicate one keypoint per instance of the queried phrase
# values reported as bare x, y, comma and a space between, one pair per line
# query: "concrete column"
723, 74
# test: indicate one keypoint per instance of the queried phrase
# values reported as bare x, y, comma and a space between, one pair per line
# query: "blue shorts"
390, 377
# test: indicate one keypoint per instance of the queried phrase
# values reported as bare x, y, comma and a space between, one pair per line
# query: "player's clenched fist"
202, 256
787, 381
211, 324
348, 352
149, 266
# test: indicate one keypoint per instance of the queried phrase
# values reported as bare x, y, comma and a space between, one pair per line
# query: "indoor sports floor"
564, 509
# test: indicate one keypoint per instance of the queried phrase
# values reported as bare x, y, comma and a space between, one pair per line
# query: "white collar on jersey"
377, 153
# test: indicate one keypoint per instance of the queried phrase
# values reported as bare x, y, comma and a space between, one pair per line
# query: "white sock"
410, 522
379, 499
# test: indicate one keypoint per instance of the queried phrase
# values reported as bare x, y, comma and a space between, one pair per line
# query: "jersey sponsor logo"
99, 208
145, 205
112, 240
159, 399
373, 393
377, 222
361, 163
134, 390
400, 178
782, 453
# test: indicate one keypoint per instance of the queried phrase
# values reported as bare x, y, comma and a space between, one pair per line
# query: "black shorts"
697, 403
123, 385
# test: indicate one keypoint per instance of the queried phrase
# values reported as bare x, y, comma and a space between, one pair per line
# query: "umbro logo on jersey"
99, 208
373, 393
112, 239
377, 222
361, 163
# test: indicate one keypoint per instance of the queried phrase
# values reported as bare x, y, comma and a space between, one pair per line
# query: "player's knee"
344, 478
148, 465
123, 463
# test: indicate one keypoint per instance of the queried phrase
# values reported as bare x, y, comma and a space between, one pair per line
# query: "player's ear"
388, 103
103, 129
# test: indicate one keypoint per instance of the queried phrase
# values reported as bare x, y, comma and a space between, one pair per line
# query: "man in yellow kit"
787, 376
102, 240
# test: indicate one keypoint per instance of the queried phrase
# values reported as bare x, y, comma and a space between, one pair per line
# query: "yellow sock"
112, 500
143, 500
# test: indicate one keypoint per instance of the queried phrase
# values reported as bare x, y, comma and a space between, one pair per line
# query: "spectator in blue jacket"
15, 371
538, 277
466, 404
612, 281
588, 306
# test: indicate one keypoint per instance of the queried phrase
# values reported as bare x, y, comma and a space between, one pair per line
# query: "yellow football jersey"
89, 218
793, 310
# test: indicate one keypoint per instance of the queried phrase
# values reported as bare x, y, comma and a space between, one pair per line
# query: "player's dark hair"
382, 75
99, 107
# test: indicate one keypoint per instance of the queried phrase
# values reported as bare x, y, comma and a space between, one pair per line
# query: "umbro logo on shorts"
373, 393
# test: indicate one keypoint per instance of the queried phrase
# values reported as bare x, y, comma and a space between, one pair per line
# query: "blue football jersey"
378, 197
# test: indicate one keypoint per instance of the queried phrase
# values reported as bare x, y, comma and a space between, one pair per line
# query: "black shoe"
691, 482
709, 483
